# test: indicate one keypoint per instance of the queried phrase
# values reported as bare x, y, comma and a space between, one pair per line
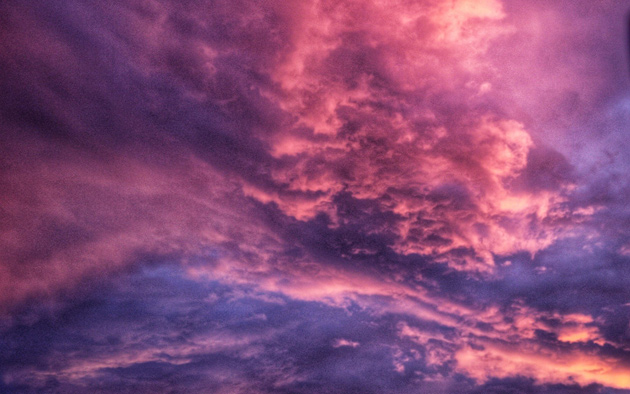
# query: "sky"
315, 196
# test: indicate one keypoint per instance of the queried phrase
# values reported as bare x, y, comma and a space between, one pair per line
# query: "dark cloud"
157, 330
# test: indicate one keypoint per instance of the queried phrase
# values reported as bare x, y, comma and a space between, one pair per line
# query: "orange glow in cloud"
480, 354
501, 362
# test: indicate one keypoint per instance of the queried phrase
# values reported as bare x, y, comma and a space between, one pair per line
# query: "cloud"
326, 196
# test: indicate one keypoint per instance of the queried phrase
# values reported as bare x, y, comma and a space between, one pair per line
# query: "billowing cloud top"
314, 196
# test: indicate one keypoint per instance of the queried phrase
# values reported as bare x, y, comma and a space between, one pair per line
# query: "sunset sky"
314, 196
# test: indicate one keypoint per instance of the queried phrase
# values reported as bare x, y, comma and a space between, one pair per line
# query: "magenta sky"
246, 196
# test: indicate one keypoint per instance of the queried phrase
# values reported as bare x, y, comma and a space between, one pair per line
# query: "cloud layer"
320, 196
